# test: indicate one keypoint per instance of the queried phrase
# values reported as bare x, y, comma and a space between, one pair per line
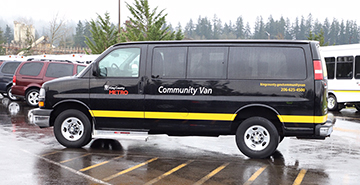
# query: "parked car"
7, 69
30, 75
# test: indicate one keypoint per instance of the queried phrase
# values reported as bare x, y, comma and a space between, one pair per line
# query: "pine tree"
79, 38
103, 33
146, 24
8, 34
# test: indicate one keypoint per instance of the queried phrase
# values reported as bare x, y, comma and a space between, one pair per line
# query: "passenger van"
343, 68
260, 91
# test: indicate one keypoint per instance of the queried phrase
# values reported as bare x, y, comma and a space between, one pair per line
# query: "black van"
260, 91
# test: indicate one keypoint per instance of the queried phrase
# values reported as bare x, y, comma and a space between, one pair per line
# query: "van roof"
219, 41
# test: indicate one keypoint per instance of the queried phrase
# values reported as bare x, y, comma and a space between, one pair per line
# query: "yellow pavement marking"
129, 169
255, 175
99, 164
74, 158
168, 173
211, 174
49, 153
300, 177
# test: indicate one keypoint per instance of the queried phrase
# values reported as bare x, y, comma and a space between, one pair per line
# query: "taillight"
318, 72
14, 80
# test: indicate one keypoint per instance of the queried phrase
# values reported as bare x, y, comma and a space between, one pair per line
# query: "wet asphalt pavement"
30, 155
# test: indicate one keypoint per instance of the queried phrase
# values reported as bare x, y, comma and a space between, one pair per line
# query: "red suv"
30, 75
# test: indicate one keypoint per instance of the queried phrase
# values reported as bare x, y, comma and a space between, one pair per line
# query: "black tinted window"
344, 67
10, 67
267, 63
330, 66
59, 70
357, 67
169, 62
31, 69
207, 62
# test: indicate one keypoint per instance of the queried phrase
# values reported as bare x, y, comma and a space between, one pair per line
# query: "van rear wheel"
257, 137
72, 128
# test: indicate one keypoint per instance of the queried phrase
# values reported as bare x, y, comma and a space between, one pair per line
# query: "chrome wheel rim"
257, 138
33, 98
72, 129
331, 102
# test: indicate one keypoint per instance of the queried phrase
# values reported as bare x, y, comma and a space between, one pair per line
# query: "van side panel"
182, 104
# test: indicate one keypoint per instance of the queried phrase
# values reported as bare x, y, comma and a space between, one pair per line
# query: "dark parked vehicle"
259, 91
7, 70
30, 75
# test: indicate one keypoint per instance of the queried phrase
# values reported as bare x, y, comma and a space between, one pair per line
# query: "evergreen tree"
146, 24
190, 29
179, 35
8, 34
239, 28
319, 37
104, 34
2, 41
217, 28
79, 38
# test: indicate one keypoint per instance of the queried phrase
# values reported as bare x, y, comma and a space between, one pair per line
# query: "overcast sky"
183, 10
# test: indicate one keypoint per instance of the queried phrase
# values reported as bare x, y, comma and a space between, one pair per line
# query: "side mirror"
103, 71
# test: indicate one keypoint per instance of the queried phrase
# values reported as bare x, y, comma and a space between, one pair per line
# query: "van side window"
330, 66
266, 63
123, 62
357, 67
344, 67
207, 62
169, 62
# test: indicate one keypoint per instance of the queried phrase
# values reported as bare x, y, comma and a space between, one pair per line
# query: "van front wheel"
72, 129
257, 137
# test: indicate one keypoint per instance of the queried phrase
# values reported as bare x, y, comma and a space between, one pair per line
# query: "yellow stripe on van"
198, 116
302, 119
190, 116
163, 115
117, 114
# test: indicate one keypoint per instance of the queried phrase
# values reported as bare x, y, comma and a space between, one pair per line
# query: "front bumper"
41, 117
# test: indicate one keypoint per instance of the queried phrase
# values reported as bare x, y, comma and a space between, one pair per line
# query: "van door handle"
141, 87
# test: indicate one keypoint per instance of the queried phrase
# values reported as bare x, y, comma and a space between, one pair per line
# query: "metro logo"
121, 92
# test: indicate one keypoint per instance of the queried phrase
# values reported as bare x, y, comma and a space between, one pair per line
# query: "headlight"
42, 97
42, 93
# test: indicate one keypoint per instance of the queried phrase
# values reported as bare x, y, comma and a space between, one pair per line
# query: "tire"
257, 137
32, 97
332, 103
72, 129
10, 95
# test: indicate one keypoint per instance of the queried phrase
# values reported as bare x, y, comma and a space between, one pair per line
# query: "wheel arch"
73, 104
260, 110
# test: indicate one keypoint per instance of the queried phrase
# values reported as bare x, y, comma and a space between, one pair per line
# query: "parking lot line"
300, 177
99, 164
74, 158
129, 169
214, 172
50, 153
255, 175
168, 173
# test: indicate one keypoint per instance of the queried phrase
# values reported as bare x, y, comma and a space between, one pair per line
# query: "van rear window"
266, 63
